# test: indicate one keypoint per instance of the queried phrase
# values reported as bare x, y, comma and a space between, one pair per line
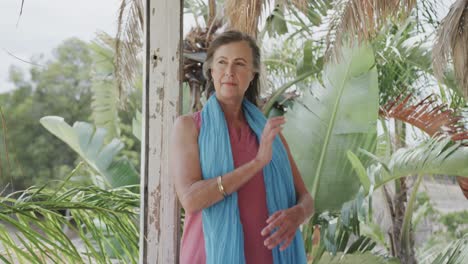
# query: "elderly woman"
242, 193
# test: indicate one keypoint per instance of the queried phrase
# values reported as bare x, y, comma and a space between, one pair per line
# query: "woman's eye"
221, 62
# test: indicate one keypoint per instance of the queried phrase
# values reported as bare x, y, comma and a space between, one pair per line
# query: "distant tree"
61, 87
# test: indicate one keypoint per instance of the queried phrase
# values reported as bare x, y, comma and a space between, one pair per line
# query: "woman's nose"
229, 70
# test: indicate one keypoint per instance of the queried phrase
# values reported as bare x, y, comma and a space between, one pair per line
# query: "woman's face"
232, 70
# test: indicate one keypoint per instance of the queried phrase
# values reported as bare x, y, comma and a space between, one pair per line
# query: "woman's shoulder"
187, 124
184, 121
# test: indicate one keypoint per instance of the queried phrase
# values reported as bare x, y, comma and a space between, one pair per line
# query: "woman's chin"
230, 95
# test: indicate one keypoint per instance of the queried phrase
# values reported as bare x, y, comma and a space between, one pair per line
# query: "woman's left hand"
285, 222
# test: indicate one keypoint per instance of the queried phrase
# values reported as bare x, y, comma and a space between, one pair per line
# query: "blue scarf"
222, 228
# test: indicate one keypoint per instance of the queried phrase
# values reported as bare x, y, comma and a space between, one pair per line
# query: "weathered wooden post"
159, 227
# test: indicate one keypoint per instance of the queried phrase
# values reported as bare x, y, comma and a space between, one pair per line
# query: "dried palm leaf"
211, 11
243, 15
452, 42
463, 182
129, 44
195, 46
361, 19
432, 118
426, 115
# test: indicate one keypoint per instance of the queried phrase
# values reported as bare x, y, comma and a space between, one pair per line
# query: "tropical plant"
89, 144
128, 45
327, 104
34, 229
437, 156
343, 114
59, 86
103, 216
106, 101
97, 223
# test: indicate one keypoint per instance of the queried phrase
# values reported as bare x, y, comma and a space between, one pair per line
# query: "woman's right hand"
272, 128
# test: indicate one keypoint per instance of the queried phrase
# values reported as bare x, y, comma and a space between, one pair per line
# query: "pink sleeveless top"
252, 207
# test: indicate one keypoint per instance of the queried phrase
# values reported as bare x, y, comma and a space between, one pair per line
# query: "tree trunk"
400, 203
160, 212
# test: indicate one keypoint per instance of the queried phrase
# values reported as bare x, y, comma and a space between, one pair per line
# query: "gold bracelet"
221, 187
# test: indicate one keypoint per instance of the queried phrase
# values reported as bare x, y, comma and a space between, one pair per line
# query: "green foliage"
61, 86
38, 232
424, 210
365, 258
401, 60
197, 8
105, 94
77, 84
456, 223
137, 125
338, 117
442, 245
276, 23
435, 156
340, 233
89, 144
455, 253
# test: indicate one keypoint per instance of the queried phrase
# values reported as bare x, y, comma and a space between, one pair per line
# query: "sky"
45, 24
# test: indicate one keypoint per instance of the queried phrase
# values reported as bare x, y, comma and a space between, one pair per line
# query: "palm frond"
439, 155
362, 19
455, 253
433, 118
129, 44
403, 60
427, 13
105, 96
243, 15
452, 43
102, 226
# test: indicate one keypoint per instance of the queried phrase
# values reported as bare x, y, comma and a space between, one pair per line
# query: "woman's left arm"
288, 221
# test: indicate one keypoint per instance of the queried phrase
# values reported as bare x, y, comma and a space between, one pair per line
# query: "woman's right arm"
195, 193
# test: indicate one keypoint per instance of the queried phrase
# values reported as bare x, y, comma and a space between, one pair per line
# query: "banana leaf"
89, 144
332, 118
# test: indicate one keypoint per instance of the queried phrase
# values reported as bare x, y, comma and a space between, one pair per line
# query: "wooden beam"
160, 212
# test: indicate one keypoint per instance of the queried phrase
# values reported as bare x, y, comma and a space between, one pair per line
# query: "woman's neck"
233, 112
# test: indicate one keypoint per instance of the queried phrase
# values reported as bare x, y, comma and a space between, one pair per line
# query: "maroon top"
252, 206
